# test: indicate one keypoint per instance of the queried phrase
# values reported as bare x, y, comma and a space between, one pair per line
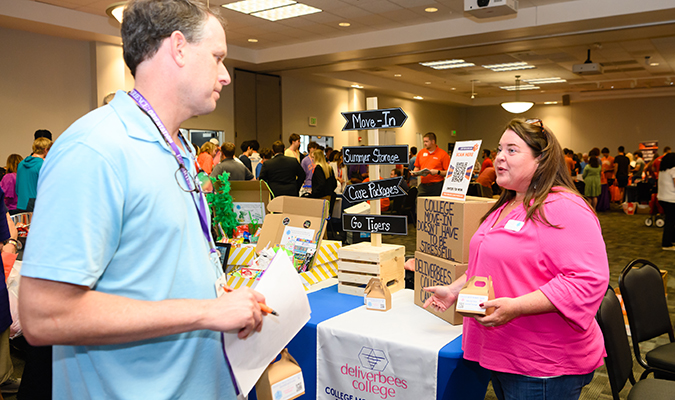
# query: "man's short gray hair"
147, 23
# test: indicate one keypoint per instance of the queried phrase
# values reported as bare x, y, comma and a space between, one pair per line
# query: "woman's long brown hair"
551, 172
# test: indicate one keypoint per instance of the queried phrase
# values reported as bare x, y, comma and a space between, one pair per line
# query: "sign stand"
373, 171
360, 262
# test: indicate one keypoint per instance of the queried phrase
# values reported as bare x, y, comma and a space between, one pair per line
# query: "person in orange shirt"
206, 154
436, 161
607, 166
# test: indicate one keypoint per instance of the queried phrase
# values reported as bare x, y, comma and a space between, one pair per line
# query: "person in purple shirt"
307, 165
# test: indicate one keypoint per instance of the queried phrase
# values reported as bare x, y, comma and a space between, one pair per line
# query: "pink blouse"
568, 265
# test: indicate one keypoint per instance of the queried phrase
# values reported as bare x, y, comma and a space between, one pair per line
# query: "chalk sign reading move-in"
374, 119
374, 155
387, 224
373, 190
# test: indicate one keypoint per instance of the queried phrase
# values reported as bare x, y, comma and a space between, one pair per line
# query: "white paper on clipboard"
285, 293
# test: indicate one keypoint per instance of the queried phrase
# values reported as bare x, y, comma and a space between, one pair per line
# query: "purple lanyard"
201, 208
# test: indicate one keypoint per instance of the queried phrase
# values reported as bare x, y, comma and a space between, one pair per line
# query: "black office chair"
619, 361
644, 297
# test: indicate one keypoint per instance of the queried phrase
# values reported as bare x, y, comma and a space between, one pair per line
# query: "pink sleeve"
577, 257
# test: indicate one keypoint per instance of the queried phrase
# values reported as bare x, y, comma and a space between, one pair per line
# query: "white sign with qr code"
460, 170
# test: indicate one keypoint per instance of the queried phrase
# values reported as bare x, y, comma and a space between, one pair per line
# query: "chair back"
619, 361
644, 297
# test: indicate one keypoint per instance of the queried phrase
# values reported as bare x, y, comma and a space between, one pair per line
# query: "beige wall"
302, 99
45, 83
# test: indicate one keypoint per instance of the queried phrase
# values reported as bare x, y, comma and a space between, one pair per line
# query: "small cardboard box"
377, 295
297, 212
445, 227
282, 380
434, 271
477, 290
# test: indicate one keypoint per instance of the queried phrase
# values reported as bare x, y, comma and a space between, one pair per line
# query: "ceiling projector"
490, 8
588, 67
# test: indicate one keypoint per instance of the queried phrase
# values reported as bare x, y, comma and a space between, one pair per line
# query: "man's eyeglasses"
180, 175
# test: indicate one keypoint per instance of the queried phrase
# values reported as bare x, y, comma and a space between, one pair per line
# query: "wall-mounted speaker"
566, 100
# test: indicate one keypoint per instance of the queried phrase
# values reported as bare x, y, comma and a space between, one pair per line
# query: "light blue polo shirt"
111, 216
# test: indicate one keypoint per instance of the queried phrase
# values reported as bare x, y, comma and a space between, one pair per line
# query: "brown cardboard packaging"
282, 380
434, 271
445, 227
377, 295
476, 290
299, 212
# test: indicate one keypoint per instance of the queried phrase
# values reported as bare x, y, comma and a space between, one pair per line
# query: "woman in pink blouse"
542, 340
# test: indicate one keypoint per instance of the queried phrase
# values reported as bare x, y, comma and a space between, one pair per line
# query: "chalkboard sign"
375, 155
374, 190
387, 224
374, 119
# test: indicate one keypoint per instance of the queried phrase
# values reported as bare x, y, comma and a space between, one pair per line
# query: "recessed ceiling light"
253, 40
509, 66
447, 64
294, 10
355, 86
550, 102
654, 64
397, 75
345, 24
453, 88
418, 98
251, 6
431, 9
427, 83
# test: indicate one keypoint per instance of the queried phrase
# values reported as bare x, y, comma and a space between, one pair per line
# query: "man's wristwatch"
15, 242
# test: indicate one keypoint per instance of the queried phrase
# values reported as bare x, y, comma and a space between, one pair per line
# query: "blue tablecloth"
457, 378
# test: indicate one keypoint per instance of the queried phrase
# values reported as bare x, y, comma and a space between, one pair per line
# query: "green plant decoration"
222, 206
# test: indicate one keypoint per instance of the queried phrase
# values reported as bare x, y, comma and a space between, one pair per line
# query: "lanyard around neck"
191, 185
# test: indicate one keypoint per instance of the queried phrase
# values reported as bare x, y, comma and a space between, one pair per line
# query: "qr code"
458, 173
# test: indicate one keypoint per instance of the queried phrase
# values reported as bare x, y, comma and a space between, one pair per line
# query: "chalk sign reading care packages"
374, 119
373, 190
387, 224
375, 155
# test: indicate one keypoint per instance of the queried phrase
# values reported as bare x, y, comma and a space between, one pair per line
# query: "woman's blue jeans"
520, 387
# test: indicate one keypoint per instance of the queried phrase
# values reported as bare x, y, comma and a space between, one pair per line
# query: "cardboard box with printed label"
476, 290
445, 227
282, 380
377, 296
293, 212
434, 271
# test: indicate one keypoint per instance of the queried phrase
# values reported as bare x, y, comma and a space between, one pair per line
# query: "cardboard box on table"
445, 227
298, 212
435, 271
282, 380
377, 296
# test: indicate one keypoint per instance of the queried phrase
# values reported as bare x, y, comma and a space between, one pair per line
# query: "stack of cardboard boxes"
444, 230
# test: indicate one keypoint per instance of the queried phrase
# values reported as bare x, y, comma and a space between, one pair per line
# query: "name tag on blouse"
514, 225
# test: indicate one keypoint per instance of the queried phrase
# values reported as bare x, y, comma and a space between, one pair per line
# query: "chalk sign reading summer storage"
375, 155
374, 119
373, 190
387, 224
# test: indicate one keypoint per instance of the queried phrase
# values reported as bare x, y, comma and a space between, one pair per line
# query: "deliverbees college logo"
368, 377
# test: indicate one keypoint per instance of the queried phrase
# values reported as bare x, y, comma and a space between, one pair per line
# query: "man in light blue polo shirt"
116, 272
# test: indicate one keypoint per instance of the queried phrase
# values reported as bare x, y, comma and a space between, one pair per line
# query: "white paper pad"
285, 293
402, 343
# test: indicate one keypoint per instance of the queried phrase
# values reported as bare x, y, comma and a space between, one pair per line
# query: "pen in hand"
263, 307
